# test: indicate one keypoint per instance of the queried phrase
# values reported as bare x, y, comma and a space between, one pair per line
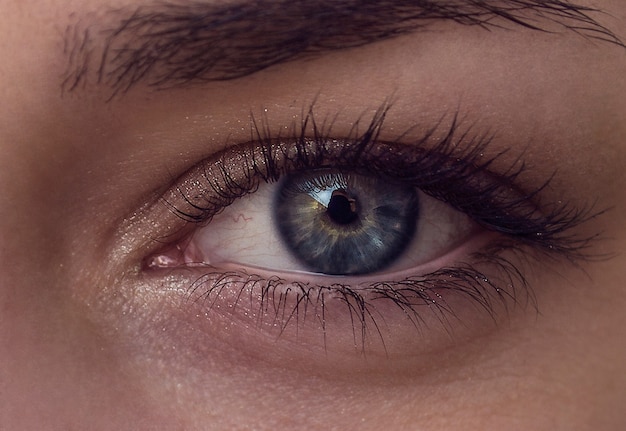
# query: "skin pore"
99, 151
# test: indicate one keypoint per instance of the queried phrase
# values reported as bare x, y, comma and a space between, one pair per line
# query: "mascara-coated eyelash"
451, 167
461, 178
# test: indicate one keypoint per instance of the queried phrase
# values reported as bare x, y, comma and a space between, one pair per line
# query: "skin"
88, 341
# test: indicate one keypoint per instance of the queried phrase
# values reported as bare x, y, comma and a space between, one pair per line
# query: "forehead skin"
78, 351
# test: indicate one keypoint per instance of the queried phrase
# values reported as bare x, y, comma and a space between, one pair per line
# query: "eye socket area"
237, 270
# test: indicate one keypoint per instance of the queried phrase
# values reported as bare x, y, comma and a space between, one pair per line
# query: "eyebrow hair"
174, 44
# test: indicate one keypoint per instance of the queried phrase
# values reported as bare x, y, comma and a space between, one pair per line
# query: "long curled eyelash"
454, 170
461, 178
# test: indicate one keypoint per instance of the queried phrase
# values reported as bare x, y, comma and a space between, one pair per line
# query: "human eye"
326, 221
252, 243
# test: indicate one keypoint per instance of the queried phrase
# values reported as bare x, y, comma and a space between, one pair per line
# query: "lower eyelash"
280, 302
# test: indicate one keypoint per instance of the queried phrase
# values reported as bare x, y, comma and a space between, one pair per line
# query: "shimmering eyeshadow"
343, 223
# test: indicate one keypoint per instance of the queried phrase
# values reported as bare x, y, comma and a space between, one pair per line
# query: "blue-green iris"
344, 223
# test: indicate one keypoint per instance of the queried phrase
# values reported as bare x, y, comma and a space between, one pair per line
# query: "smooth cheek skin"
90, 341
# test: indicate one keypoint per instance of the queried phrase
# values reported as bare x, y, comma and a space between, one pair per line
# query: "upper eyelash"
461, 178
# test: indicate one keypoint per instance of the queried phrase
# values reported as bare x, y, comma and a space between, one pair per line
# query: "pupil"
342, 208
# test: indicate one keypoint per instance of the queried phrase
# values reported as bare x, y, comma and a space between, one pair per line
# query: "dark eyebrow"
173, 44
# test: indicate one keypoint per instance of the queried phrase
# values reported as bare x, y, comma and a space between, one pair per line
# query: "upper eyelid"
450, 160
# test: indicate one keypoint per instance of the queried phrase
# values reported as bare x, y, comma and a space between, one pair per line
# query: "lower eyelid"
365, 316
